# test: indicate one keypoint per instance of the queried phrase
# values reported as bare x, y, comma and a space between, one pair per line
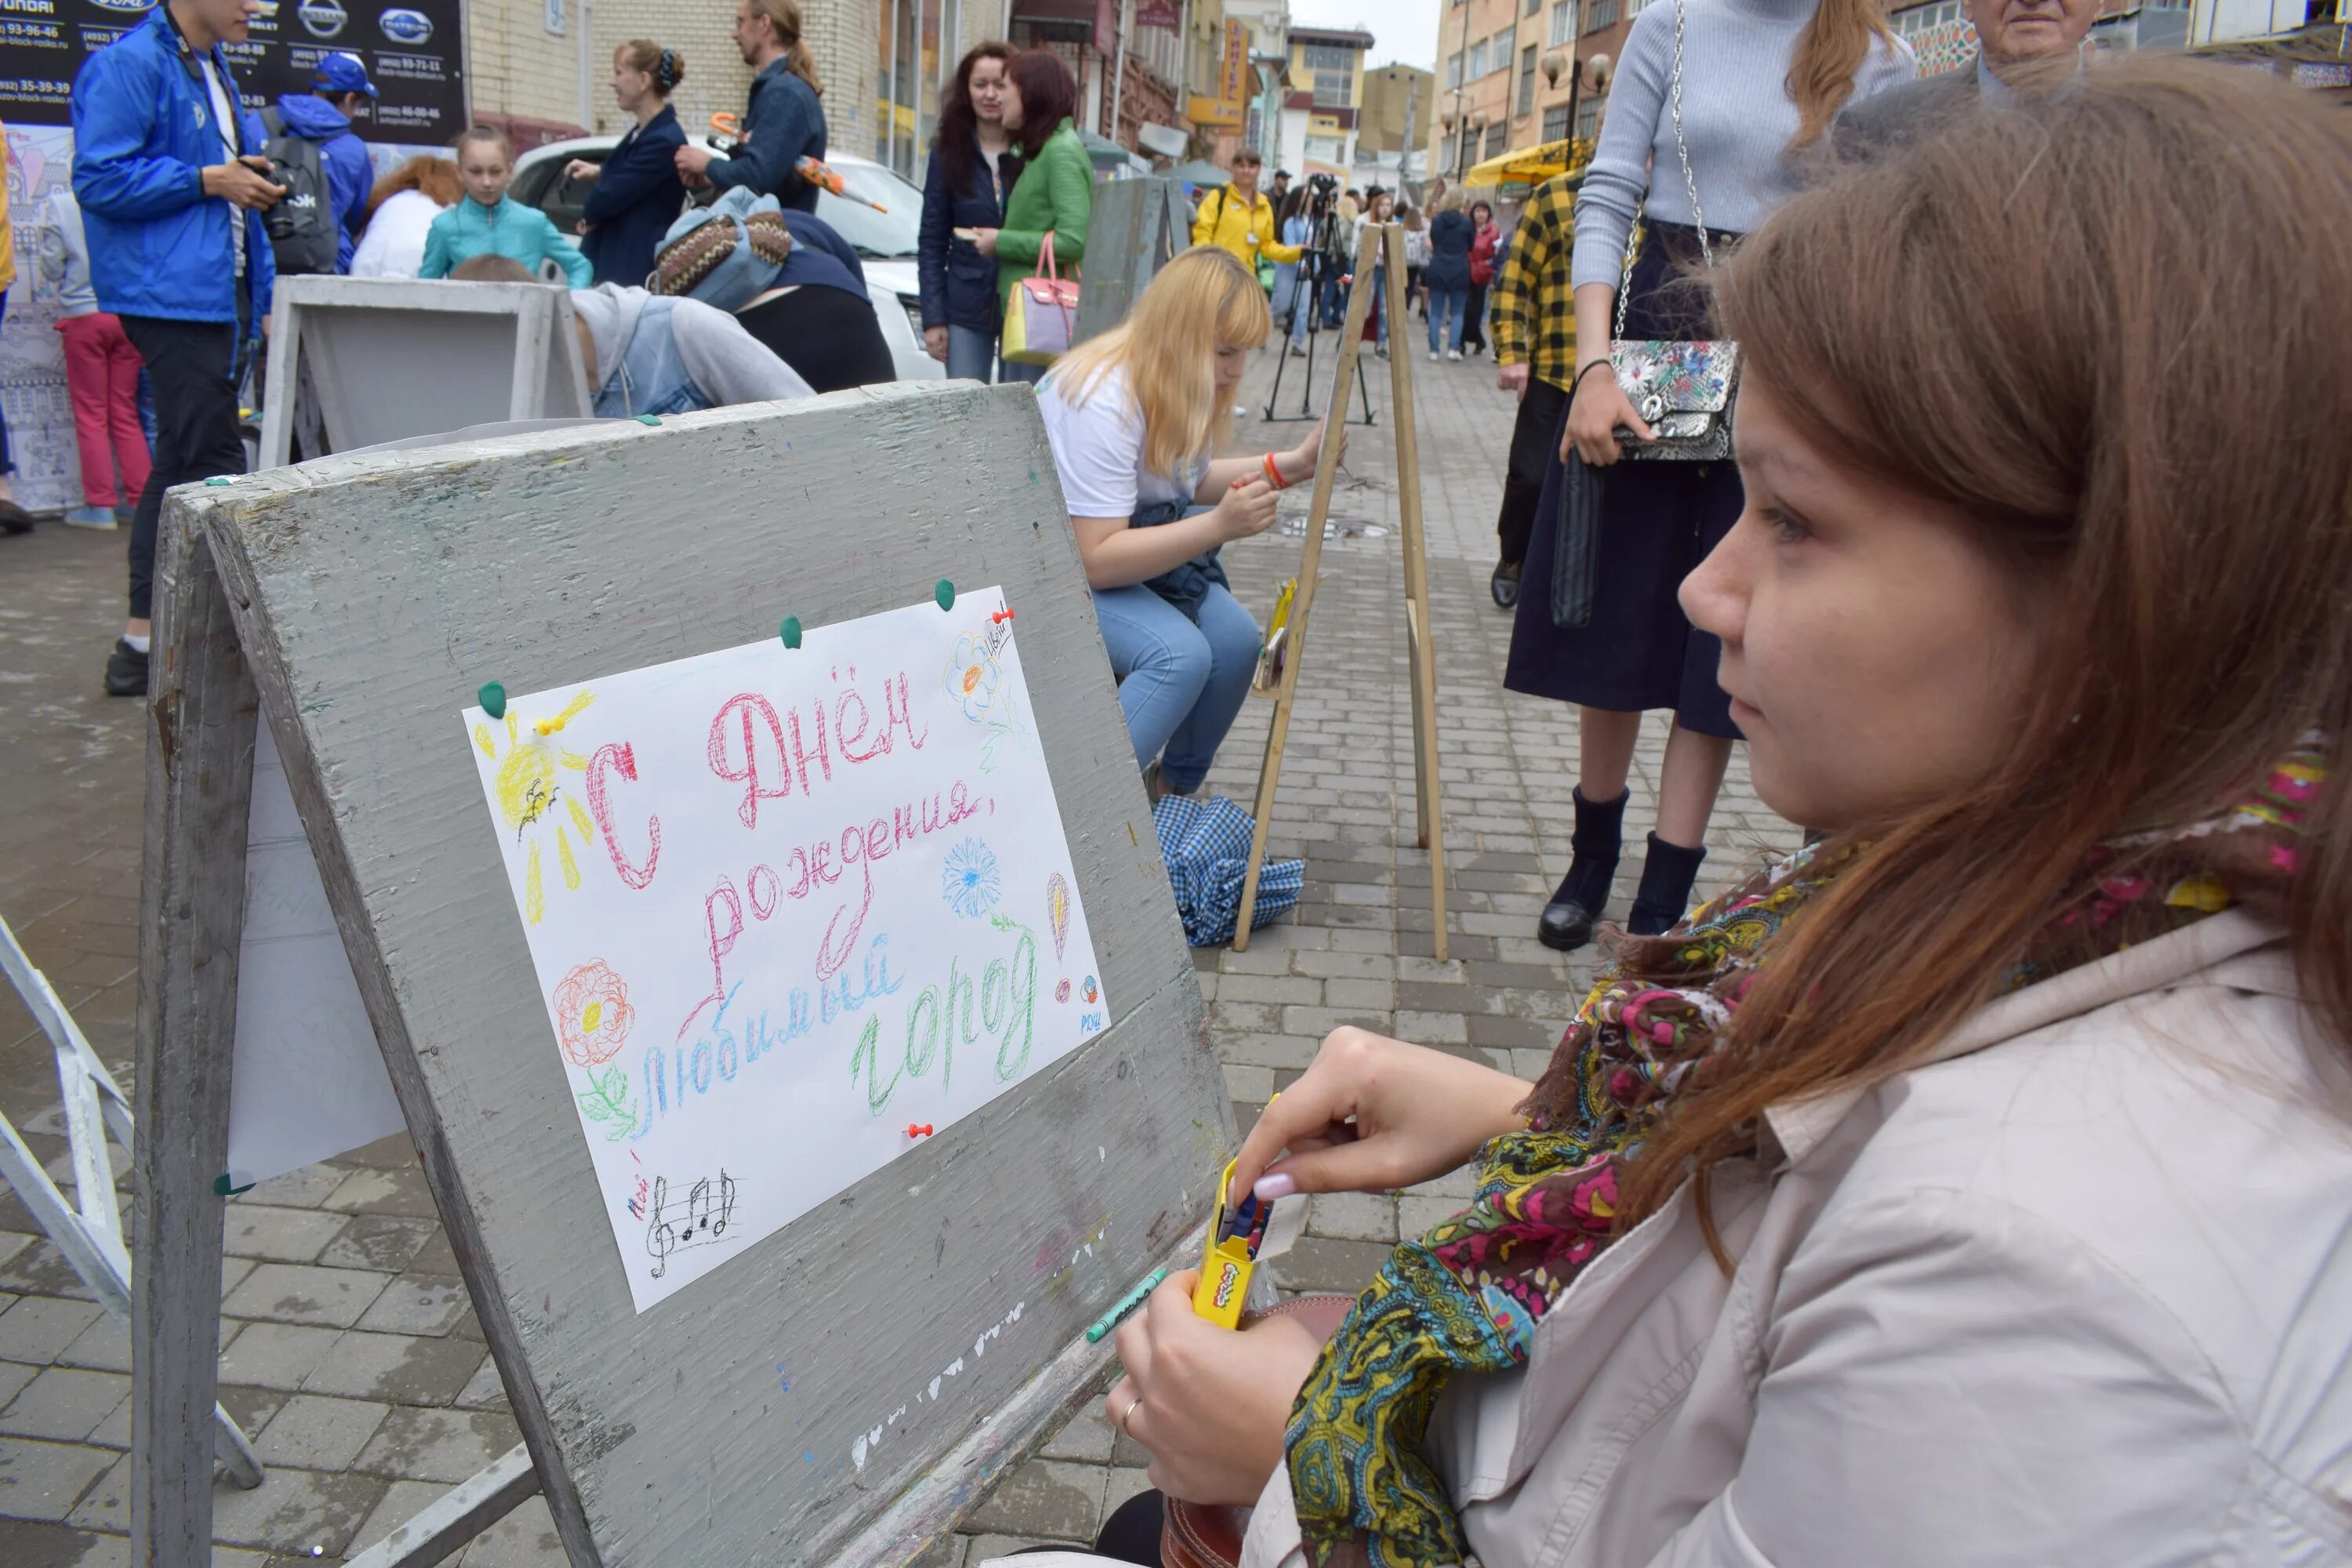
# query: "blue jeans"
1180, 684
971, 354
1446, 305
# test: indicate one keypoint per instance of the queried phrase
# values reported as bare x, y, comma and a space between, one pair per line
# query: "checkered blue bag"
1206, 846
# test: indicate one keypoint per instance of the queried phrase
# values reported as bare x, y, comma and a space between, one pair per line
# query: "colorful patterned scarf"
1467, 1295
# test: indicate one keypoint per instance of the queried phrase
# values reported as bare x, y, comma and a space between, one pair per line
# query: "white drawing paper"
792, 910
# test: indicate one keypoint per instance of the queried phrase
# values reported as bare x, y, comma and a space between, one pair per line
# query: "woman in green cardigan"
1055, 192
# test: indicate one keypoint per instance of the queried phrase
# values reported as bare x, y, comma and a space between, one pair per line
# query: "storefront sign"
412, 52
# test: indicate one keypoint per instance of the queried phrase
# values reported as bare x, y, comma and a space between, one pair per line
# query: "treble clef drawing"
701, 1217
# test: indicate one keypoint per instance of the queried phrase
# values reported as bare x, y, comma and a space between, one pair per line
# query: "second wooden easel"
1420, 656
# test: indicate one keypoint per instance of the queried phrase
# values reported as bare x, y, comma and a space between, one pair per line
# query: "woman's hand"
984, 241
582, 168
1209, 1402
1594, 416
935, 344
1373, 1114
1245, 510
1297, 465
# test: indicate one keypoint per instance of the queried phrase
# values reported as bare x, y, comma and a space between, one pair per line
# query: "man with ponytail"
783, 123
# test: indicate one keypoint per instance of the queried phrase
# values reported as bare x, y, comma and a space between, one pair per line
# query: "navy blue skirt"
1658, 521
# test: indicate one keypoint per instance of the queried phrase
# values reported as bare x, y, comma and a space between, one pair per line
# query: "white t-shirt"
1099, 451
394, 244
226, 119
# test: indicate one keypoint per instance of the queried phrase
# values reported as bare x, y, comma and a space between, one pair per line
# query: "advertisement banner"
1230, 105
1160, 14
411, 50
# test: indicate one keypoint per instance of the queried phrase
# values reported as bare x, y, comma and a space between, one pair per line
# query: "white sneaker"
1433, 356
1454, 353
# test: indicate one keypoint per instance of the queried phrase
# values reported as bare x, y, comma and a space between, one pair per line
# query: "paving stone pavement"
348, 1352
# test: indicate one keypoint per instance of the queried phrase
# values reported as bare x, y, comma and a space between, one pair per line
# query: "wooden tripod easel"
1420, 655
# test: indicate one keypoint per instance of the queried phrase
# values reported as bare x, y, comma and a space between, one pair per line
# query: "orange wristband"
1273, 474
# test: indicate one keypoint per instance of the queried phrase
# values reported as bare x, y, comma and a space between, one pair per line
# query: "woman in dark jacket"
964, 190
638, 192
1447, 277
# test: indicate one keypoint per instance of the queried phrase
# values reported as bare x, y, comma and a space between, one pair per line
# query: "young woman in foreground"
1978, 1189
1135, 419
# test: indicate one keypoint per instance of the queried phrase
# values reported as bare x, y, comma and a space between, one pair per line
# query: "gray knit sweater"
1736, 117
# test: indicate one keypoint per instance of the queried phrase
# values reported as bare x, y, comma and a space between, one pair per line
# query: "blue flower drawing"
970, 882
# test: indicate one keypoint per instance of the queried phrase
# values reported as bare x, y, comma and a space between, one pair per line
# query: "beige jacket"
2078, 1291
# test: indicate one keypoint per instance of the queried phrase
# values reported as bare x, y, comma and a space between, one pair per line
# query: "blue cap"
341, 73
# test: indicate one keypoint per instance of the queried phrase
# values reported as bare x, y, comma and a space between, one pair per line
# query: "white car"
884, 241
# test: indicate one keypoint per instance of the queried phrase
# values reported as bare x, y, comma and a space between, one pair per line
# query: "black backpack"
301, 226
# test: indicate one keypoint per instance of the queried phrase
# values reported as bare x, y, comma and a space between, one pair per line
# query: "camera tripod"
1317, 265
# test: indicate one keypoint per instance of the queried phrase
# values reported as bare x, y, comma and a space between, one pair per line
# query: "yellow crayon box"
1230, 1257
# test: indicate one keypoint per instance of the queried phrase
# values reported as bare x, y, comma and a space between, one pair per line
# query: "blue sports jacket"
143, 134
350, 175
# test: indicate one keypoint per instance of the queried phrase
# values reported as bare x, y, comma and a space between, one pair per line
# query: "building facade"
1323, 101
1400, 103
1513, 73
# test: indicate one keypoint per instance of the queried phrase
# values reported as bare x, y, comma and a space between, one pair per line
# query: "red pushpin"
918, 1130
1002, 614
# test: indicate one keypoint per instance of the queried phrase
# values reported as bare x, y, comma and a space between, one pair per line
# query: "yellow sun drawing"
528, 790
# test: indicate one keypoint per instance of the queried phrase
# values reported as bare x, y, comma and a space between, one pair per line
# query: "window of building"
1563, 21
1555, 125
1498, 53
1328, 56
1526, 80
1477, 59
1325, 149
1335, 89
1600, 14
1453, 70
1588, 117
1534, 6
1498, 141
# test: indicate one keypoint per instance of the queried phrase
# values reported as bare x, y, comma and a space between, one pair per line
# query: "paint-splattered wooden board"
774, 1411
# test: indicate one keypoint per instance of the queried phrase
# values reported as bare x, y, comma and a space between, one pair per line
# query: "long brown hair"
1049, 94
956, 139
1830, 51
667, 67
784, 18
2107, 331
437, 177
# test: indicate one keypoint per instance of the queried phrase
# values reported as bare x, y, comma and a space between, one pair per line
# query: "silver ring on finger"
1128, 1415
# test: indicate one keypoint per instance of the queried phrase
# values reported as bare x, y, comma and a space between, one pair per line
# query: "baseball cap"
340, 73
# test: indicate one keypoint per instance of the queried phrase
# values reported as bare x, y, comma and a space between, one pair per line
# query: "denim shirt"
651, 378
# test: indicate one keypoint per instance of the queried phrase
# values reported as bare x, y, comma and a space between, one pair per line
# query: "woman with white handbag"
1714, 104
1045, 215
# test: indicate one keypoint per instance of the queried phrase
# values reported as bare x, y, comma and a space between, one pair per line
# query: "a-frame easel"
1420, 655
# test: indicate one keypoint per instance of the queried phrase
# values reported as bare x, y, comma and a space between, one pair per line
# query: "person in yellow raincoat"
1235, 217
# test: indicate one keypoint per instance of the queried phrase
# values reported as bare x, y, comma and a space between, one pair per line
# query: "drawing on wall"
774, 899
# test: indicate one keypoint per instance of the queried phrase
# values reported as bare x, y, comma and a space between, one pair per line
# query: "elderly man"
2023, 47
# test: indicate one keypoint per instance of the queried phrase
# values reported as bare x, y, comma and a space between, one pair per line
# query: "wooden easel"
1420, 655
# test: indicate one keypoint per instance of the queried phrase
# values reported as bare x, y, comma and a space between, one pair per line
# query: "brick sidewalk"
348, 1352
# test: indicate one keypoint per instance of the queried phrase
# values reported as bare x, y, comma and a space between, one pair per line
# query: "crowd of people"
1968, 1187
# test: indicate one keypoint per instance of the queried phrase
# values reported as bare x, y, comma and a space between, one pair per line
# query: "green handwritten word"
1002, 1005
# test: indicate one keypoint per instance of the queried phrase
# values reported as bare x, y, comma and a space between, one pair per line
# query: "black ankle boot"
1566, 922
1666, 890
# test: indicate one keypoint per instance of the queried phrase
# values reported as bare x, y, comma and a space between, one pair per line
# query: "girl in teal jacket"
486, 222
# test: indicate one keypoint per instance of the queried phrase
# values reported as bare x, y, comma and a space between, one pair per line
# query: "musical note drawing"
698, 1219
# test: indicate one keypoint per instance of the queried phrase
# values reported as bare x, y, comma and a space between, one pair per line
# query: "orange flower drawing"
593, 1016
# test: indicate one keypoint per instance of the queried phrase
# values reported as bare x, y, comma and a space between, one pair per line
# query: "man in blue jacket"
783, 121
168, 170
338, 86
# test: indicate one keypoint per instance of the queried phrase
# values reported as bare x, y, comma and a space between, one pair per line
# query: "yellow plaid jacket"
1534, 308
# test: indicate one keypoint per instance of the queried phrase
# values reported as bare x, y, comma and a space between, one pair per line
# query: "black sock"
1596, 844
1666, 890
